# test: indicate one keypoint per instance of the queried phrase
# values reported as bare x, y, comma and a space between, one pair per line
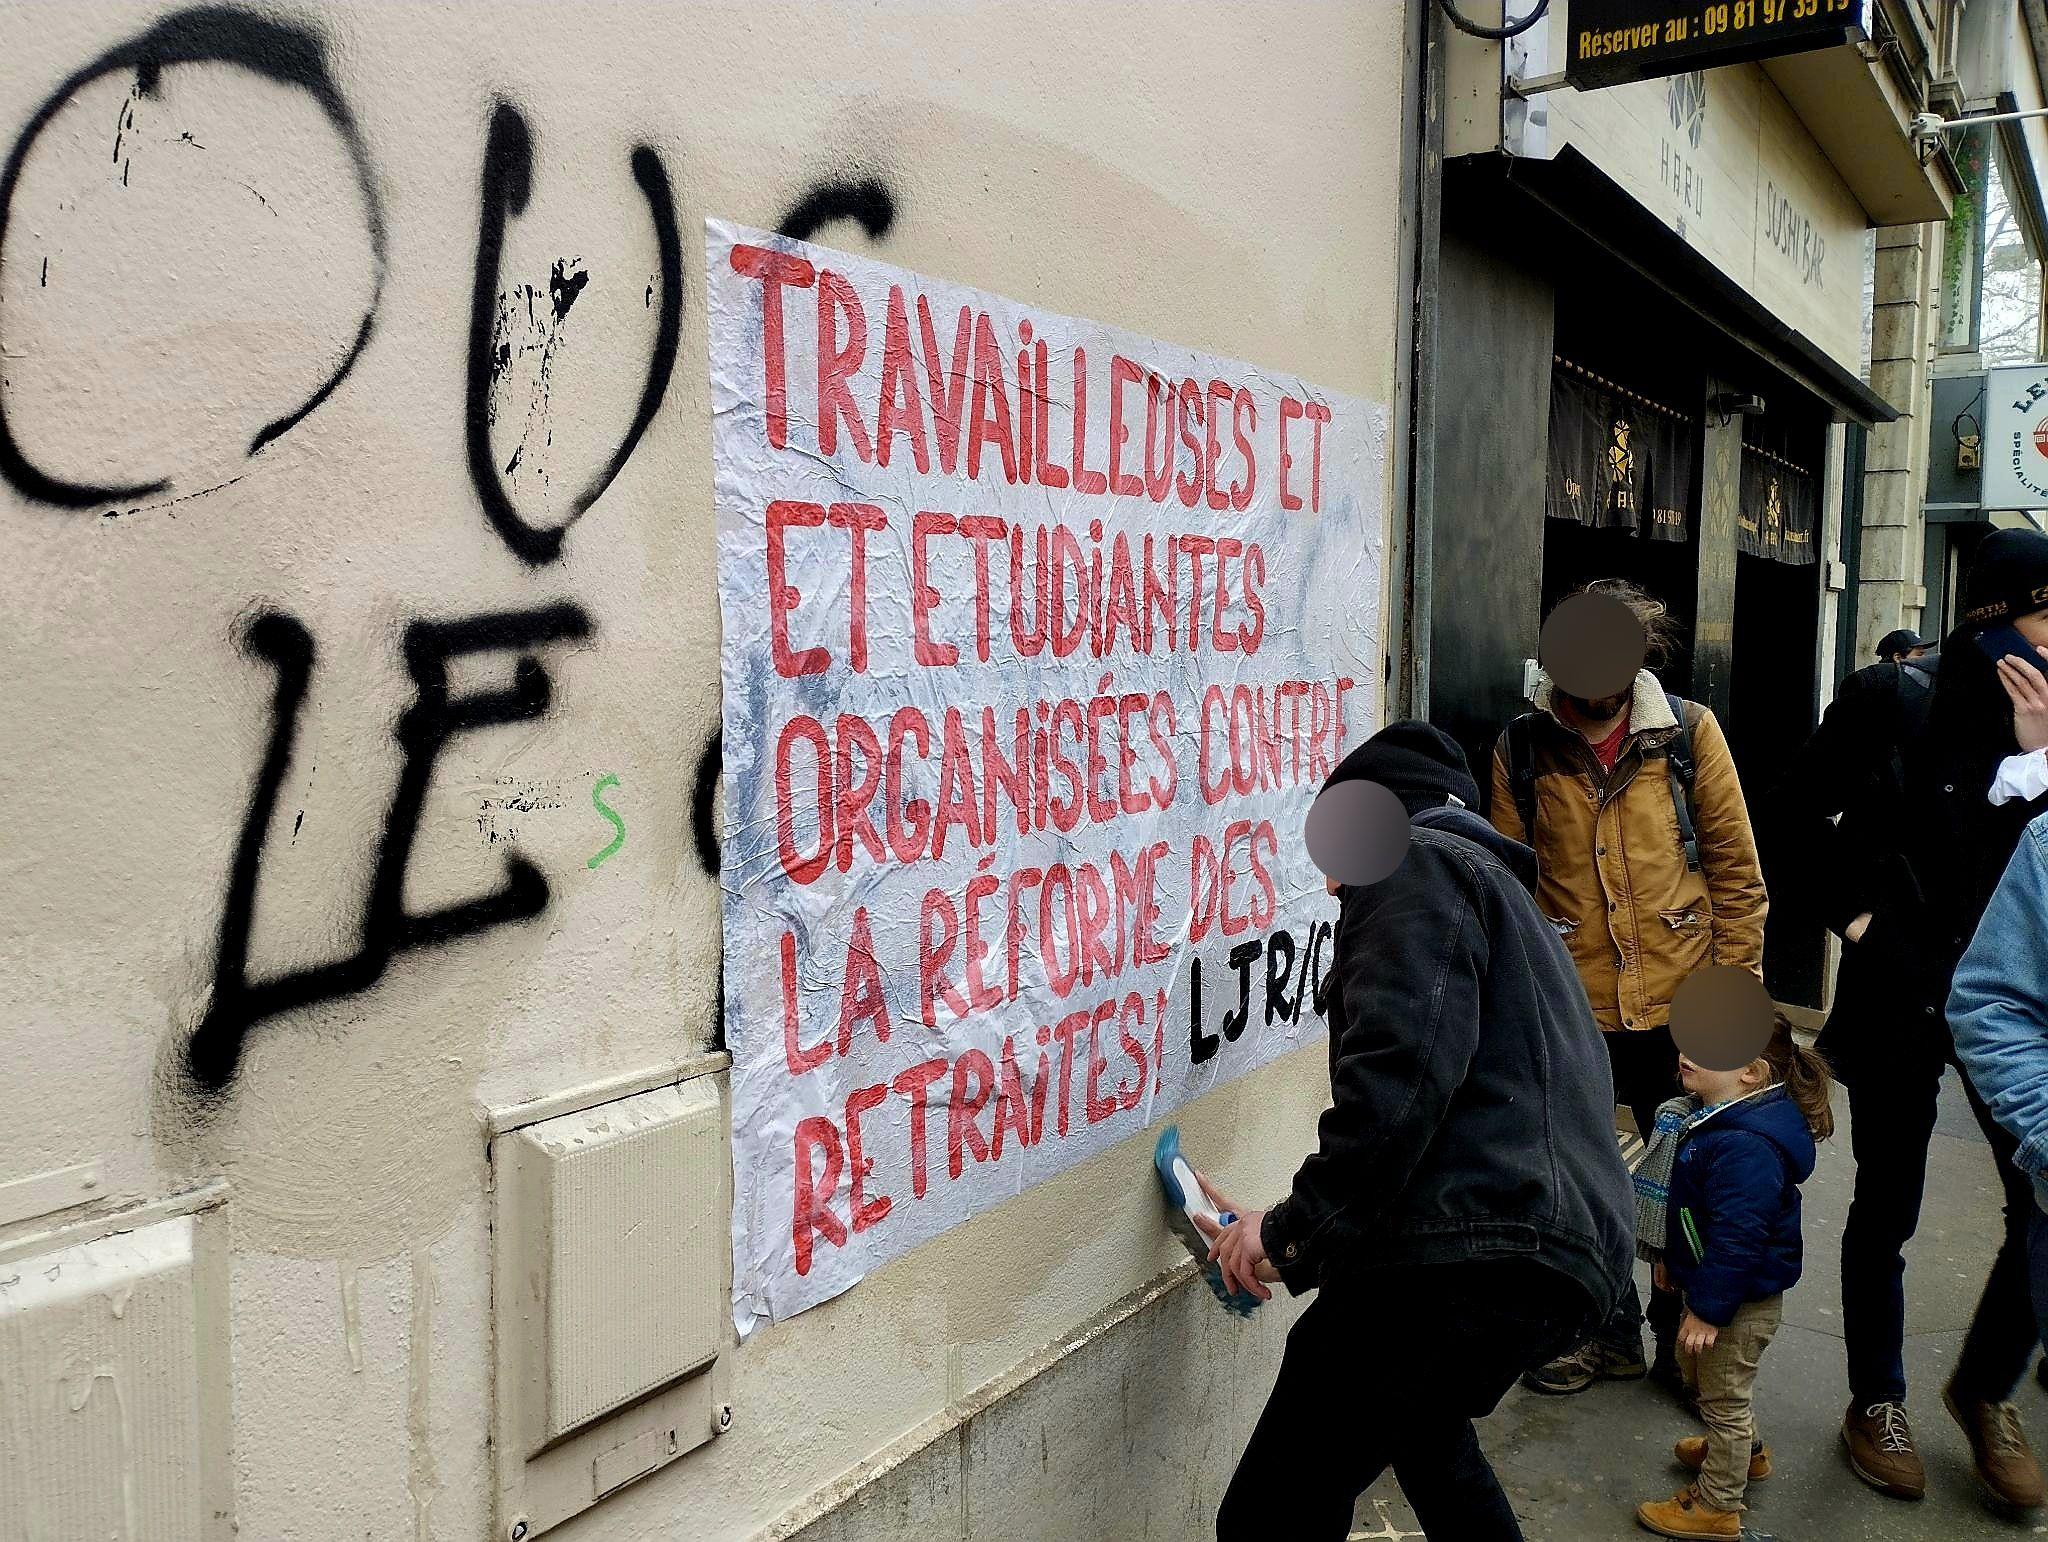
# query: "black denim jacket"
1472, 1105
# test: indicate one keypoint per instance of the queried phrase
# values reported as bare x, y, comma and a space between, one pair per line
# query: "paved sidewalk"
1576, 1467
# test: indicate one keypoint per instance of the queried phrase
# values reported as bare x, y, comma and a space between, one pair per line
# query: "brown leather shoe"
1691, 1454
1881, 1453
1685, 1514
2005, 1463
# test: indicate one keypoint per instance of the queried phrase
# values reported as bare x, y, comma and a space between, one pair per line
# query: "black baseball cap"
2008, 577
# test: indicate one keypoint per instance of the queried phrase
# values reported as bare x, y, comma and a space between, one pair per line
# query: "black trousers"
1645, 1066
1891, 1121
1389, 1368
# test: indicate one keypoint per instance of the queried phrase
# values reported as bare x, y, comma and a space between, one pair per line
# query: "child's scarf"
1653, 1174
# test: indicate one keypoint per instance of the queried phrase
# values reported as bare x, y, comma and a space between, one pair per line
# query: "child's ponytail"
1805, 1076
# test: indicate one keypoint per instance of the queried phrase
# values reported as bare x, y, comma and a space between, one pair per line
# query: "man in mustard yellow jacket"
1649, 872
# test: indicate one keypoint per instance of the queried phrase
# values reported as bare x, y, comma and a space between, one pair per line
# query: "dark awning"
1571, 191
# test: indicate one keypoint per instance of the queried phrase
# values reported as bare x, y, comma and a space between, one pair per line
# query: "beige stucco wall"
184, 266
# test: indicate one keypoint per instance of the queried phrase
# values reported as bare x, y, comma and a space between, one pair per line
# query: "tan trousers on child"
1725, 1379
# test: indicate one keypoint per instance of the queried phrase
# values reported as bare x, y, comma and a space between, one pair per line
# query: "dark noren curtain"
1778, 510
1616, 461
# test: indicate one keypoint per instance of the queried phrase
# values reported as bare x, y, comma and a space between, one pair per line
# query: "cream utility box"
114, 1385
610, 1297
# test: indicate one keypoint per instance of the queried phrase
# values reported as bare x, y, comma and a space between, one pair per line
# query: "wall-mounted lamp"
1736, 404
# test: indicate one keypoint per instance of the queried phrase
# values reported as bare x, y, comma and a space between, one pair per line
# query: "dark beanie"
1419, 763
2008, 577
1904, 640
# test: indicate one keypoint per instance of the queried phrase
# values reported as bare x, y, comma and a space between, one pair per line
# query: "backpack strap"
1522, 771
1913, 703
1678, 759
1916, 699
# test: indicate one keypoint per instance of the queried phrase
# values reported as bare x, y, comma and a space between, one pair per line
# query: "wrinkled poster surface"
1039, 639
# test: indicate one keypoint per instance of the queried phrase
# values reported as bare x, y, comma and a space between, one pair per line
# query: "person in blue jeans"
1998, 1012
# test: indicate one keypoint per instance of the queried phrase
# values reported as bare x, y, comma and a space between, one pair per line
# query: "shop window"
1870, 297
2010, 311
1962, 254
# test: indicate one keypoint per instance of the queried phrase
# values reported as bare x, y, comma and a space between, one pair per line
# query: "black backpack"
1677, 760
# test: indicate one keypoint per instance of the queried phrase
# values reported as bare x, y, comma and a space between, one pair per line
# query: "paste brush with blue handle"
1187, 1199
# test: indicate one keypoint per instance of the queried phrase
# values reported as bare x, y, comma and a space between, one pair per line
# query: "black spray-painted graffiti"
285, 52
540, 335
296, 55
507, 186
865, 201
704, 803
388, 928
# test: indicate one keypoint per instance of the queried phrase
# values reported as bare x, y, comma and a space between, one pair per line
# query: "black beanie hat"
2008, 577
1418, 762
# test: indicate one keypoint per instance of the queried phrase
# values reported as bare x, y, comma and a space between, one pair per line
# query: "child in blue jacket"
1724, 1167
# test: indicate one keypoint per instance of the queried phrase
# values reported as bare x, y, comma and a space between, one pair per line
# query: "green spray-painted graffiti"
618, 825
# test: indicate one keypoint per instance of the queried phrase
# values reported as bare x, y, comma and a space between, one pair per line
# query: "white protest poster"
1040, 638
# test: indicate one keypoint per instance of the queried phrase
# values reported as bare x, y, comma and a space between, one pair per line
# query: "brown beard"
1599, 709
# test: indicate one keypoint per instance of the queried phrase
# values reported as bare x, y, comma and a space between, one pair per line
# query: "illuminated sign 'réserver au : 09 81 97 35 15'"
1612, 42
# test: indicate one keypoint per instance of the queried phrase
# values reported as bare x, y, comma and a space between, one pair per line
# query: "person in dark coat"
1933, 790
1466, 1213
1901, 644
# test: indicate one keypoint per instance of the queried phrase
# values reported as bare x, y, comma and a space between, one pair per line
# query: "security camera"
1926, 128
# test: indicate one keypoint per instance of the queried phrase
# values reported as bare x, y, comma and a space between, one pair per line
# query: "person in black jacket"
1933, 792
1902, 644
1466, 1214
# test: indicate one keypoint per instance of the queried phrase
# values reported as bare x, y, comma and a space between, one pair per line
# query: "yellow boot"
1685, 1514
1691, 1454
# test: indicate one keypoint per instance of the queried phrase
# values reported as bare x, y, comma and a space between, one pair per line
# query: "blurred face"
1712, 1087
2034, 628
